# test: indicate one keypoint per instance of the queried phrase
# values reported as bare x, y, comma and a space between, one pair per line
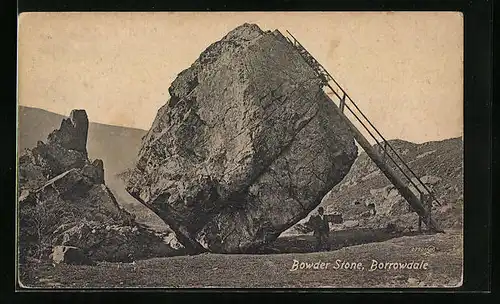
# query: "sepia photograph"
177, 150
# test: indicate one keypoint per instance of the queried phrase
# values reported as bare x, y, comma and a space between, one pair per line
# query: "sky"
403, 69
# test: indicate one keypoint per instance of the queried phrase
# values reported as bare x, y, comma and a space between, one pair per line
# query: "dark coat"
318, 225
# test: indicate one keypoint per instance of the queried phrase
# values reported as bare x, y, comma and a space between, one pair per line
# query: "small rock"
24, 195
399, 278
69, 255
445, 208
430, 179
351, 224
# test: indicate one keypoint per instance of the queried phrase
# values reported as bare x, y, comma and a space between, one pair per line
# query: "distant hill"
116, 146
439, 164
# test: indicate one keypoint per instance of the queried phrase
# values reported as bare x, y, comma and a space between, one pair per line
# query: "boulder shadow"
338, 239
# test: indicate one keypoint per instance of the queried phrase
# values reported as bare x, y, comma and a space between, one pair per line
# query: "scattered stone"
430, 179
116, 243
69, 255
445, 208
350, 224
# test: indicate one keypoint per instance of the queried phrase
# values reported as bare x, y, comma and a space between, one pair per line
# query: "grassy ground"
442, 252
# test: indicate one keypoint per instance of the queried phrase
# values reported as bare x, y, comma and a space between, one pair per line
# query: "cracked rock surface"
247, 145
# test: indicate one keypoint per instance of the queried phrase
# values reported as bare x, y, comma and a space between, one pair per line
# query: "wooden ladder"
401, 176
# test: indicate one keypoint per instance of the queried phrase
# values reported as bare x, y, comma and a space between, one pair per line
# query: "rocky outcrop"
117, 146
72, 135
59, 171
63, 196
114, 242
247, 145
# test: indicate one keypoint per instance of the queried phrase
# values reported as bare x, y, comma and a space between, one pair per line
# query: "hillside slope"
439, 164
441, 159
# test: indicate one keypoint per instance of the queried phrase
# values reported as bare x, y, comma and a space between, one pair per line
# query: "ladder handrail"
386, 154
296, 42
385, 142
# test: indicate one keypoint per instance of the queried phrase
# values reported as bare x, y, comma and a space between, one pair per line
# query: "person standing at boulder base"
319, 224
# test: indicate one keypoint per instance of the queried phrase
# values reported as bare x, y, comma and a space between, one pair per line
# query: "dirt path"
441, 252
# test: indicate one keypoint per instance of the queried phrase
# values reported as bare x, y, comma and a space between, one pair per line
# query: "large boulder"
247, 145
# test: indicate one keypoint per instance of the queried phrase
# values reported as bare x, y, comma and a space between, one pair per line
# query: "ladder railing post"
384, 152
429, 210
342, 103
427, 203
420, 218
421, 197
